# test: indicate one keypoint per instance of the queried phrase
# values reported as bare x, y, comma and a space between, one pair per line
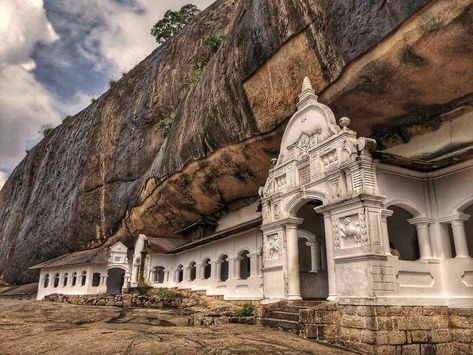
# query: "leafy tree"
173, 22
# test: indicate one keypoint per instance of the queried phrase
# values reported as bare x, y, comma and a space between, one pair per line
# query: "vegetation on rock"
46, 129
247, 310
165, 124
173, 22
214, 42
163, 293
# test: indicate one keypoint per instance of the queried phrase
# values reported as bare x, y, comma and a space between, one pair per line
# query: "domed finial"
306, 84
344, 122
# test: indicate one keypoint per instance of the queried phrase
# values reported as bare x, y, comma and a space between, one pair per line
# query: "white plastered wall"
69, 289
437, 198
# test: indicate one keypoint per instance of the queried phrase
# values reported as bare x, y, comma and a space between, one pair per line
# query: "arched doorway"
115, 280
311, 245
403, 240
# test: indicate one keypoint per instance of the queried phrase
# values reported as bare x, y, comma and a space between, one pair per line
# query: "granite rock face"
111, 171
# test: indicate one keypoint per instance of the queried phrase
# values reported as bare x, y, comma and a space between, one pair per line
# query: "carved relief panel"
350, 231
272, 248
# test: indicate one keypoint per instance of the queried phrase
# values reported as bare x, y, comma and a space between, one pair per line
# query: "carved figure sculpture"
350, 229
273, 247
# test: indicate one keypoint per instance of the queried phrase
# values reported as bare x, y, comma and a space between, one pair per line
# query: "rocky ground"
34, 327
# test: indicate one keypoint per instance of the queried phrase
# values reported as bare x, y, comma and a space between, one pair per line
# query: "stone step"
288, 325
306, 303
290, 309
285, 315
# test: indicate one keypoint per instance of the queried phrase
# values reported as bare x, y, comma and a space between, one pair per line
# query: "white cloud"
119, 40
3, 179
125, 40
24, 103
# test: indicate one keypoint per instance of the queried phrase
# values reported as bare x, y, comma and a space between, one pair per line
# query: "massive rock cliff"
111, 171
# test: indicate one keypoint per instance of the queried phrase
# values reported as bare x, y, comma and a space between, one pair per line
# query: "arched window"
65, 279
46, 281
402, 235
159, 274
56, 280
83, 278
245, 266
95, 279
223, 260
74, 278
192, 271
180, 273
207, 269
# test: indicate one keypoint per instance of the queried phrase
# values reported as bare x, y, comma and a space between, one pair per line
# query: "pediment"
118, 247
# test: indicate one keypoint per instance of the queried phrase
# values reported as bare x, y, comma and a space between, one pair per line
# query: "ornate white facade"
334, 224
325, 164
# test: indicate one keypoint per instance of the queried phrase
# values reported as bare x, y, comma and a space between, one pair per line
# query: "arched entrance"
115, 280
312, 262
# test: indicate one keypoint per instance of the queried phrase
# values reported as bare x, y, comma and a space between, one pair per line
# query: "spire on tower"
307, 94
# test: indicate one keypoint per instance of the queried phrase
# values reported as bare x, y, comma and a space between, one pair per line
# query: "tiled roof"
91, 256
164, 245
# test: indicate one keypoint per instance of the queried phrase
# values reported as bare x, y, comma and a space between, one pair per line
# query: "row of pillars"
425, 228
423, 225
215, 269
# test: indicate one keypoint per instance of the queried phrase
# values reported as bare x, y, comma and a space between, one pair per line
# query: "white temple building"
333, 222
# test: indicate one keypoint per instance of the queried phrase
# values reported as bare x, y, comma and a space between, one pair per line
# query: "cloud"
25, 104
54, 57
124, 37
3, 179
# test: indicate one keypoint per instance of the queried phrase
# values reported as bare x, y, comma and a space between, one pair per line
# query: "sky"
56, 55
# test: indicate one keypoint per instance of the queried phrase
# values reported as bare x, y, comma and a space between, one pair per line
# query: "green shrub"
46, 129
165, 124
196, 72
214, 42
112, 83
247, 310
163, 293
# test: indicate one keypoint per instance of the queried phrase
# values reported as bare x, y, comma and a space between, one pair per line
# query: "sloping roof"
91, 256
164, 245
20, 290
204, 221
219, 235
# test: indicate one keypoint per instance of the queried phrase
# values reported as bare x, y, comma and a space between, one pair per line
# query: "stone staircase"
285, 316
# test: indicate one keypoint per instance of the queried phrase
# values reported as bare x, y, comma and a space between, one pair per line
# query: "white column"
199, 272
332, 287
187, 273
254, 264
323, 257
236, 268
422, 226
384, 230
260, 265
314, 256
218, 270
293, 276
459, 236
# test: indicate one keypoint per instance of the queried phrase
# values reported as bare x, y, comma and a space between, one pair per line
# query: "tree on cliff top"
173, 22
